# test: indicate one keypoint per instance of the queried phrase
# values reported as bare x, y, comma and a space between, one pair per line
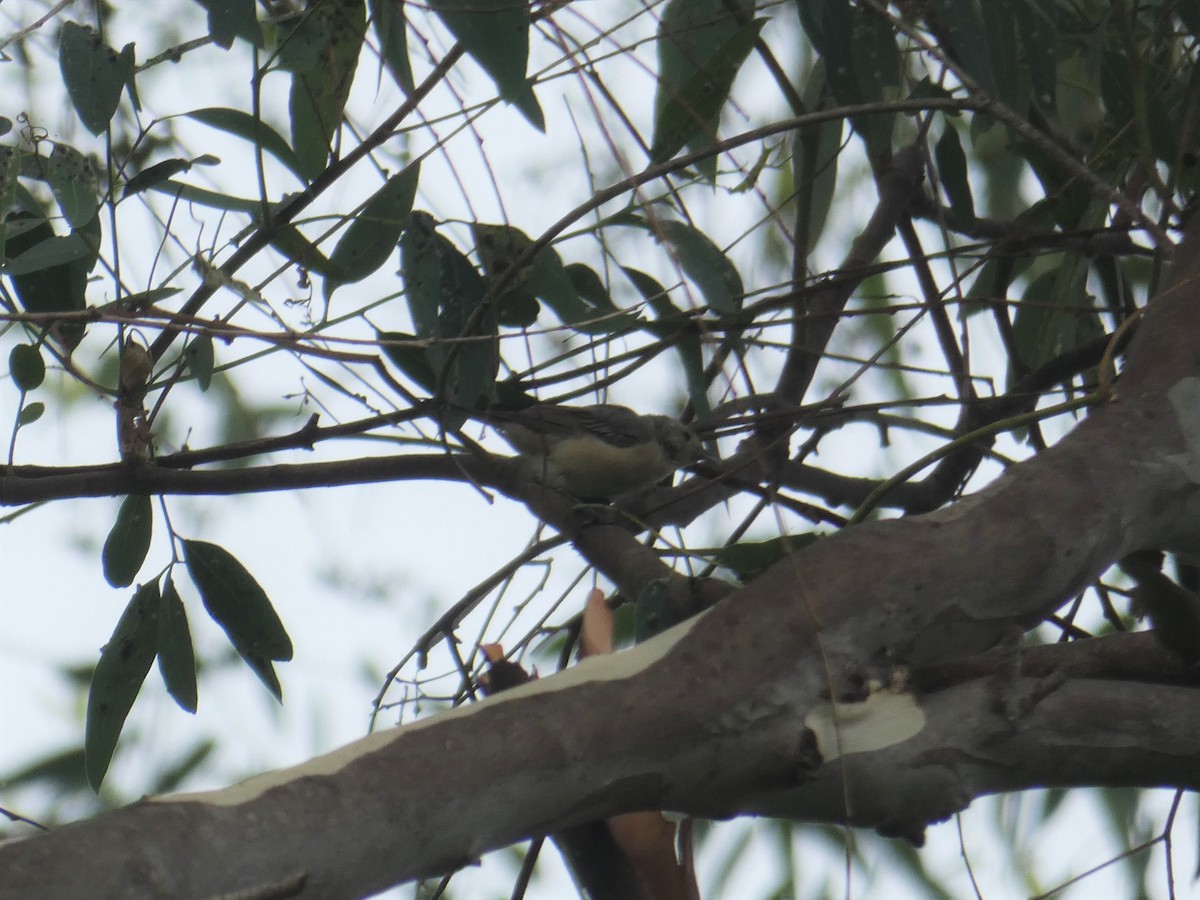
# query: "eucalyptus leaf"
176, 658
124, 662
128, 541
496, 35
94, 73
371, 238
26, 366
239, 605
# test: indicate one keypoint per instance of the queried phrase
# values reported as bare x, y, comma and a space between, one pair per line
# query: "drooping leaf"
251, 128
952, 170
404, 350
704, 263
1037, 25
229, 19
172, 778
830, 28
701, 47
239, 605
122, 668
319, 92
496, 35
61, 771
128, 542
599, 314
94, 73
369, 240
26, 366
672, 324
388, 18
861, 61
176, 658
877, 70
527, 105
200, 359
963, 28
1011, 77
816, 150
291, 242
1042, 327
446, 295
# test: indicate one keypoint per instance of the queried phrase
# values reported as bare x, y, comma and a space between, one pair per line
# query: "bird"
598, 451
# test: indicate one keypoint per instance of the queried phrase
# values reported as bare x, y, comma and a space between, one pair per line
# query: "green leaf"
229, 19
73, 180
239, 605
952, 170
1043, 320
152, 175
499, 247
816, 150
701, 49
496, 35
369, 240
599, 314
291, 242
705, 264
94, 73
128, 542
446, 299
409, 356
1037, 25
749, 559
1000, 34
652, 611
830, 28
877, 70
11, 161
124, 662
205, 197
318, 94
176, 659
963, 29
251, 128
388, 18
170, 780
143, 299
26, 366
527, 104
49, 252
49, 273
200, 359
30, 413
860, 59
675, 326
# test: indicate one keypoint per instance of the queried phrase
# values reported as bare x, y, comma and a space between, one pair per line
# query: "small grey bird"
597, 451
